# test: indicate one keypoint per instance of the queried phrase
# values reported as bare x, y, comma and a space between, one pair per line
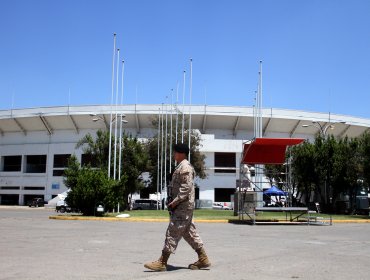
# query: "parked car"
145, 204
36, 202
220, 206
62, 207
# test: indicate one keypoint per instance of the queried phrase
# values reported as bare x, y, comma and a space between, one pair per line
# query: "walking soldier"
181, 207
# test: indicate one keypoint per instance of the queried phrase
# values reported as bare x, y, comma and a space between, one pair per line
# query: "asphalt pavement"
33, 246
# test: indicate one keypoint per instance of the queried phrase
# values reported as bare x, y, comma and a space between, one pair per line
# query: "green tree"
197, 159
71, 173
328, 168
98, 147
107, 191
93, 187
365, 156
134, 164
303, 169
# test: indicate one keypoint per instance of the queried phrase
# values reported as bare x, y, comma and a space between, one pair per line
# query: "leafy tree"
134, 163
93, 187
71, 173
196, 157
329, 167
97, 187
365, 156
303, 169
98, 147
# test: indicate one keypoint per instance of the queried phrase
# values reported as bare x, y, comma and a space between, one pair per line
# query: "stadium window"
88, 159
9, 188
36, 164
225, 163
223, 194
34, 188
60, 164
12, 163
61, 160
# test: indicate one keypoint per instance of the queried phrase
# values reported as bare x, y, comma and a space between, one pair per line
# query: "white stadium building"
34, 143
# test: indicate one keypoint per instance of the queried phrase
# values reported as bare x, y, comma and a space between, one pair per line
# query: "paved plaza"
35, 247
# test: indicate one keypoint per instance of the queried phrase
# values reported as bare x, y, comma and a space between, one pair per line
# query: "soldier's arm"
185, 187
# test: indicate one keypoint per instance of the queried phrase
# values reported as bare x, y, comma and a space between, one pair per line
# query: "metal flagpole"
259, 167
260, 103
162, 150
190, 95
115, 126
170, 157
120, 126
158, 159
111, 106
177, 115
183, 109
165, 151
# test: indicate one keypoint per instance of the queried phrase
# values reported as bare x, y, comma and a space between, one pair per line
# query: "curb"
114, 219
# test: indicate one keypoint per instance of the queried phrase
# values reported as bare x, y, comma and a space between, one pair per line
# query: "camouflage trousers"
181, 226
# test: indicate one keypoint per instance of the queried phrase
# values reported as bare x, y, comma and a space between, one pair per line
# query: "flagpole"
183, 109
170, 157
115, 126
190, 94
162, 150
158, 147
120, 126
165, 149
177, 113
111, 106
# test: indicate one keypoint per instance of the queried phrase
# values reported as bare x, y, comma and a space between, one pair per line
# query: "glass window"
36, 164
226, 163
223, 194
34, 188
9, 188
88, 159
12, 163
61, 161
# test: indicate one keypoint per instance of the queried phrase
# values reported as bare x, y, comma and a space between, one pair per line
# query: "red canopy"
267, 150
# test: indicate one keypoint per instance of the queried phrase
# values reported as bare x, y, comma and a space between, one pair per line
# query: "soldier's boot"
202, 262
160, 264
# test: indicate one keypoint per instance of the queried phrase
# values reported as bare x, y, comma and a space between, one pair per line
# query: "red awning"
268, 150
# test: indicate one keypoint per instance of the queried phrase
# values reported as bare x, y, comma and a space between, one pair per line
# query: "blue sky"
316, 54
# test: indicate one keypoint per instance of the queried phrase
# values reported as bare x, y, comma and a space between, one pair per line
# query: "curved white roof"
204, 118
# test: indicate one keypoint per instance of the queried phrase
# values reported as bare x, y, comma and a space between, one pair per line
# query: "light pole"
323, 129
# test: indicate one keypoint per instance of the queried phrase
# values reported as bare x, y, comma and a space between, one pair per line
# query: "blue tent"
274, 191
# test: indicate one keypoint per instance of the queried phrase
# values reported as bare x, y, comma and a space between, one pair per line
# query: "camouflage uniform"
181, 221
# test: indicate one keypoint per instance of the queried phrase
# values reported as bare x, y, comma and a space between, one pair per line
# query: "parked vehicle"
145, 204
36, 202
62, 207
220, 206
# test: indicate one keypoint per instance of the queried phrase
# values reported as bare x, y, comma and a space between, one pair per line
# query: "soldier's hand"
172, 205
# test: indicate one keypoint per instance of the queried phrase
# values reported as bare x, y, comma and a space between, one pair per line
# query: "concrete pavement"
36, 247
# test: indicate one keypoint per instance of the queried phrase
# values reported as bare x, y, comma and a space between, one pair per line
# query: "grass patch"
211, 214
199, 214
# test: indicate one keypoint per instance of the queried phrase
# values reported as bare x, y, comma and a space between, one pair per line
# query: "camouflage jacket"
182, 186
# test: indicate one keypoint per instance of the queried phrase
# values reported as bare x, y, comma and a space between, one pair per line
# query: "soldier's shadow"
170, 268
174, 268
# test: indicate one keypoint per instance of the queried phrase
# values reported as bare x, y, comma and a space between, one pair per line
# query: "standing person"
181, 208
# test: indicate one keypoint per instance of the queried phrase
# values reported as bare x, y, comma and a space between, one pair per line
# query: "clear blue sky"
315, 53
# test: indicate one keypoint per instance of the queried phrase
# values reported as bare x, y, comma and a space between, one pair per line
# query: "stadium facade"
35, 143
